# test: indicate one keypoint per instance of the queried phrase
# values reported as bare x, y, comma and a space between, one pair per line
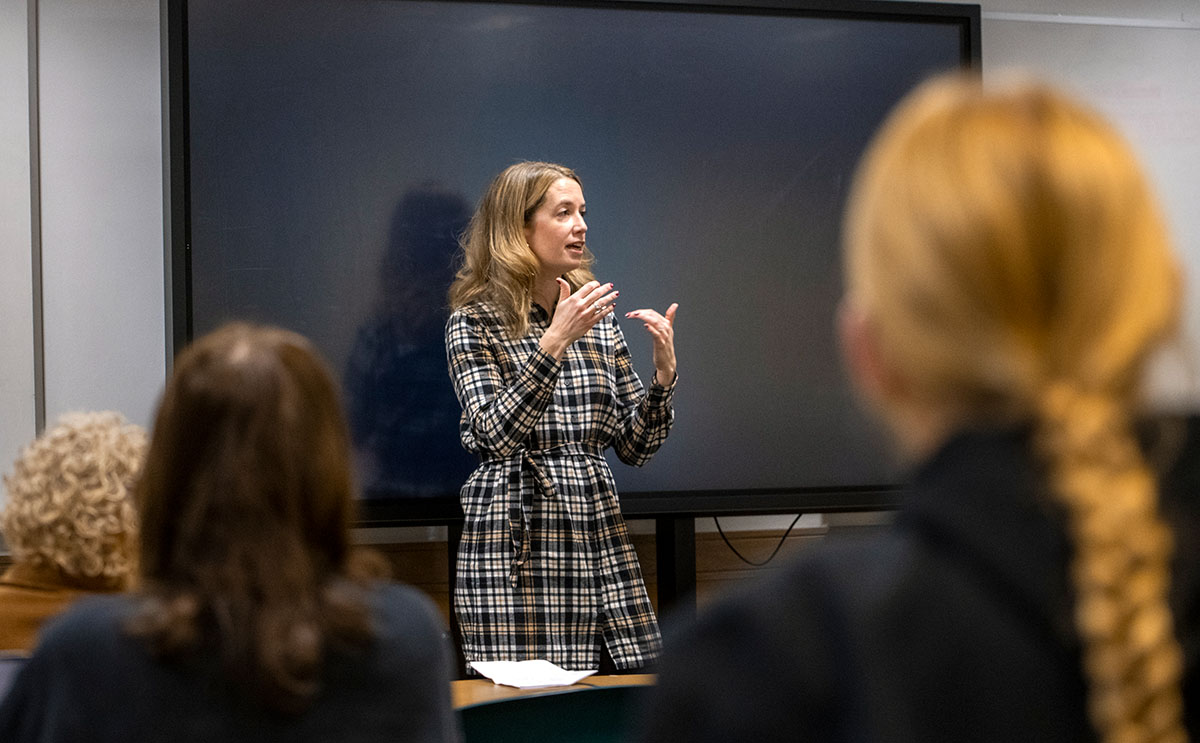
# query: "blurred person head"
498, 263
1007, 264
246, 504
70, 507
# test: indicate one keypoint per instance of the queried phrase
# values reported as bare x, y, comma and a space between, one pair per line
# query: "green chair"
597, 714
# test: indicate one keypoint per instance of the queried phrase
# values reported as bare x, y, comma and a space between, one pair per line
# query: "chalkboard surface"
334, 148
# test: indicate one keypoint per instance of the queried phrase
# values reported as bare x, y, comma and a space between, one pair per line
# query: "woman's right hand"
575, 314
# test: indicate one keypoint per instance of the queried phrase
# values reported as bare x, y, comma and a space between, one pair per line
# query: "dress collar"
538, 314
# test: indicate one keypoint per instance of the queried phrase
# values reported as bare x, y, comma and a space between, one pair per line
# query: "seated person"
68, 520
1008, 277
255, 619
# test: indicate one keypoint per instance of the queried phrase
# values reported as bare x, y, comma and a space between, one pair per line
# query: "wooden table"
475, 691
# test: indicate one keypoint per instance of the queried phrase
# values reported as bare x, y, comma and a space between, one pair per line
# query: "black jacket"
954, 624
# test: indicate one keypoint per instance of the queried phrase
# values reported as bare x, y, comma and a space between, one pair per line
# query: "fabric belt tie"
520, 504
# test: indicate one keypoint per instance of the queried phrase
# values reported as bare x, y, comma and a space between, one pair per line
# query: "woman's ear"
916, 429
869, 371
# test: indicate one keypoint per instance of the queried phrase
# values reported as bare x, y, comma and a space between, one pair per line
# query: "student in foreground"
1008, 279
254, 619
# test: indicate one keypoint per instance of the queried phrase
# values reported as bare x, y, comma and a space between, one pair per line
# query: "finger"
598, 291
645, 315
599, 315
654, 329
608, 300
671, 313
564, 289
652, 320
649, 316
599, 299
585, 291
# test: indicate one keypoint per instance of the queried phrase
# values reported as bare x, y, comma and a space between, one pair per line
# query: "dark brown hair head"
246, 503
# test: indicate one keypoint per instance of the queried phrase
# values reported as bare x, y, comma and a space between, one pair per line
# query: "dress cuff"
543, 367
660, 395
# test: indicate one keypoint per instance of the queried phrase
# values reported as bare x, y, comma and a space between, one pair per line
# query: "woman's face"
556, 230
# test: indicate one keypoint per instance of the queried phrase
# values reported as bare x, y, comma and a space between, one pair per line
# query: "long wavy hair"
496, 262
246, 504
1014, 266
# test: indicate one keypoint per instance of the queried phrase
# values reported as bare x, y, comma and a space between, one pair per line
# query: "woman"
69, 520
1008, 278
254, 619
545, 566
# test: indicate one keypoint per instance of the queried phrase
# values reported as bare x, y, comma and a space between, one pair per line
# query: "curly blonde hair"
70, 498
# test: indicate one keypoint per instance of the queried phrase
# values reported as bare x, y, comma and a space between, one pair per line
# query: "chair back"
599, 714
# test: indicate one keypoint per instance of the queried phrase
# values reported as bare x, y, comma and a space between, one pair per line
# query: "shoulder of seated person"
87, 623
400, 601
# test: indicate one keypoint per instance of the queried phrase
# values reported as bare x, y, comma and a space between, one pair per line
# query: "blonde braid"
1120, 568
1014, 265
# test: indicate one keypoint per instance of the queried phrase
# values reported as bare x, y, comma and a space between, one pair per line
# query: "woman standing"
546, 382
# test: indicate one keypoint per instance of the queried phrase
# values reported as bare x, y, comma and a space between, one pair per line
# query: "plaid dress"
545, 565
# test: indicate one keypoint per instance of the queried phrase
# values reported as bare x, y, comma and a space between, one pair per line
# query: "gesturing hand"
662, 329
575, 314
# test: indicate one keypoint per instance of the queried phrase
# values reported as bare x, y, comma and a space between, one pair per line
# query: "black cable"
773, 552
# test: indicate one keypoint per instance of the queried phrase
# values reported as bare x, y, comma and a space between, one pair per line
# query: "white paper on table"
528, 674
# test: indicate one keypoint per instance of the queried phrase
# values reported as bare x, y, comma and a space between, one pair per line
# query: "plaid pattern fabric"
545, 565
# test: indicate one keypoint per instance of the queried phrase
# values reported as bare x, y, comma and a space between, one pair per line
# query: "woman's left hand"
662, 329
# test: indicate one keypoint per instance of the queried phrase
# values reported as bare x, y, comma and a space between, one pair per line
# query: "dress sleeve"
646, 414
499, 416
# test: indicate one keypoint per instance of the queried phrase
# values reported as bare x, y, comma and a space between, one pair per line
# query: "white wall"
95, 64
1140, 64
102, 222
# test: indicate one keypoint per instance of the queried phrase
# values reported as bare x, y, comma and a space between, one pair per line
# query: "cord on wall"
770, 557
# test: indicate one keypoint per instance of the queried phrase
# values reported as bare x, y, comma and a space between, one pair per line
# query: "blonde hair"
497, 264
70, 498
1014, 265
